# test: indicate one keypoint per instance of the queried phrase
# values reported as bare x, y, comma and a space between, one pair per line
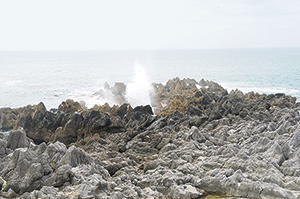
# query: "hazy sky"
148, 24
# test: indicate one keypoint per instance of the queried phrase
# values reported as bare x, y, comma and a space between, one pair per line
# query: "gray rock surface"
3, 145
17, 139
207, 141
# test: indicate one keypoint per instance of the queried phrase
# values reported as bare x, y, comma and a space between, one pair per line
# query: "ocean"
30, 77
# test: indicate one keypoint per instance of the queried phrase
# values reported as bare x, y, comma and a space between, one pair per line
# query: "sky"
148, 24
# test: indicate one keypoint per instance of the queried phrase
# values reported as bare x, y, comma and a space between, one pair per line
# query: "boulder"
184, 192
117, 124
168, 147
17, 139
68, 133
70, 106
25, 119
23, 172
55, 152
62, 174
196, 135
123, 109
139, 118
7, 119
75, 156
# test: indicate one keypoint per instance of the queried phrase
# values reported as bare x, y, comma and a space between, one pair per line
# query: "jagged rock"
55, 152
168, 147
123, 109
117, 195
201, 140
23, 171
275, 154
101, 123
193, 110
34, 194
196, 135
75, 156
9, 194
295, 141
40, 148
7, 118
41, 131
117, 124
184, 192
68, 133
274, 191
211, 184
69, 106
3, 145
62, 174
49, 190
2, 184
25, 119
17, 139
139, 118
281, 130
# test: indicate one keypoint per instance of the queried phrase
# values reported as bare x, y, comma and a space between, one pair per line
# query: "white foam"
4, 132
139, 90
267, 90
91, 98
9, 83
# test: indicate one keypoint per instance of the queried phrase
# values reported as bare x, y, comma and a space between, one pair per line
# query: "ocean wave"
9, 83
266, 90
92, 97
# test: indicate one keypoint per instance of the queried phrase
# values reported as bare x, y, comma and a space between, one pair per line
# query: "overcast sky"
148, 24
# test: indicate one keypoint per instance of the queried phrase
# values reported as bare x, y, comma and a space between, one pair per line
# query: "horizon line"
159, 49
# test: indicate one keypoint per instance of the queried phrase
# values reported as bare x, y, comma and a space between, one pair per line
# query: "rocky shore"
196, 138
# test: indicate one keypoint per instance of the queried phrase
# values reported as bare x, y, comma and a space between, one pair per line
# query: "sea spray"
138, 91
90, 97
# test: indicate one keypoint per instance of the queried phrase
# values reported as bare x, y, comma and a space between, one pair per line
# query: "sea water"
29, 77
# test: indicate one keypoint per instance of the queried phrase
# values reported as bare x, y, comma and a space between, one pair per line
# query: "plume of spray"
138, 91
88, 97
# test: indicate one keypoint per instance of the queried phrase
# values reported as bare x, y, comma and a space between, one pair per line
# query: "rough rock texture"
67, 126
202, 140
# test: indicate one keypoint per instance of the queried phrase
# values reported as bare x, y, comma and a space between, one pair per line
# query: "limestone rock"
22, 171
7, 119
202, 139
17, 139
196, 135
3, 145
63, 174
183, 192
69, 106
75, 156
68, 134
55, 152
